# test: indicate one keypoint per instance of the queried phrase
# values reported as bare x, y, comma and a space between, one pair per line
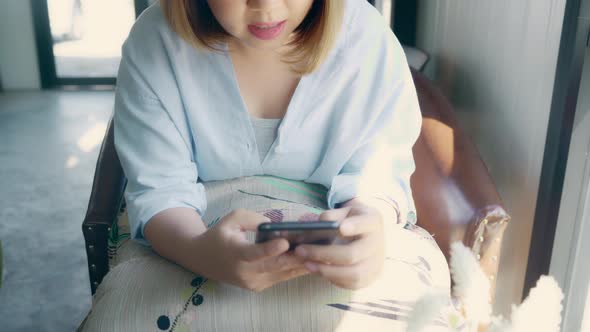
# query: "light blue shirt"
180, 120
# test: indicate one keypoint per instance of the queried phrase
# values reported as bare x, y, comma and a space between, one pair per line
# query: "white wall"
18, 53
496, 61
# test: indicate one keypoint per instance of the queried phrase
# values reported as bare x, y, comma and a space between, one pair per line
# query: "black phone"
299, 232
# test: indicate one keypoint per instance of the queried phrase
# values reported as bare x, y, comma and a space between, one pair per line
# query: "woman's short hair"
194, 21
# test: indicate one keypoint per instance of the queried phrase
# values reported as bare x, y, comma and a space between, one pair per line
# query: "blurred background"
83, 45
516, 72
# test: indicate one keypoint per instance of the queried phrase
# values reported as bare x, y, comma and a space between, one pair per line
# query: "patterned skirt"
145, 292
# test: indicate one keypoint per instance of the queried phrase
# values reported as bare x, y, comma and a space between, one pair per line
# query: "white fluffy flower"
426, 310
541, 311
499, 324
471, 285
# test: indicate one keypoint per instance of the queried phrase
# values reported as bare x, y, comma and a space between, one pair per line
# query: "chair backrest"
106, 198
109, 181
455, 196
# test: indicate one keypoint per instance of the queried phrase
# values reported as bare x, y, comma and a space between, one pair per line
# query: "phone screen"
297, 232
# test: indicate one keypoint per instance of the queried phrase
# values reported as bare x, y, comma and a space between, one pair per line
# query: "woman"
221, 102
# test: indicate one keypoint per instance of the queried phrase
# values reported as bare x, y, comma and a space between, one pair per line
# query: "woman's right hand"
224, 254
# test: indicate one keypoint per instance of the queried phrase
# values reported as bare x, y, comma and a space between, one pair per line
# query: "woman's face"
261, 24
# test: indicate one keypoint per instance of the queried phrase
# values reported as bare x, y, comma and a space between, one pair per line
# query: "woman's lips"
267, 31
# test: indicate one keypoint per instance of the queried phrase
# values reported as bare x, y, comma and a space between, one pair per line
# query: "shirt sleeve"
382, 162
156, 157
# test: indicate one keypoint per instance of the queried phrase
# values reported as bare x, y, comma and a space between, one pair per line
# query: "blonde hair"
313, 39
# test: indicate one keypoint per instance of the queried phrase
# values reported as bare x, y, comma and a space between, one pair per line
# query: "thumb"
246, 220
335, 214
253, 252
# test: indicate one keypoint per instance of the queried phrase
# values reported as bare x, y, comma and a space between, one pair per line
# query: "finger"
253, 252
339, 254
360, 225
276, 278
246, 220
281, 263
349, 277
335, 214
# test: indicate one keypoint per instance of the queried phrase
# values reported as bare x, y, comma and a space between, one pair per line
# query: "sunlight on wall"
72, 162
586, 318
93, 137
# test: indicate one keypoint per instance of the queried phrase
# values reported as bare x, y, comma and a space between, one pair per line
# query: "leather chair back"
455, 197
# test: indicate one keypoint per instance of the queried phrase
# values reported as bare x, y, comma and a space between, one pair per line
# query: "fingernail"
311, 267
301, 252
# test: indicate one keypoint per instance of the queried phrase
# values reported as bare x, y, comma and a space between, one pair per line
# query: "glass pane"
88, 35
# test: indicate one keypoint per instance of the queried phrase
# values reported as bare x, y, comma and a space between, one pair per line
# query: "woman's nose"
263, 5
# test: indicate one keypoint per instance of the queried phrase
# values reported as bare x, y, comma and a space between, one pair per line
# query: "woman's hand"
223, 253
355, 264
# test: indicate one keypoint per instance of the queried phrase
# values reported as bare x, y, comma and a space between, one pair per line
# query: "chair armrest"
106, 199
484, 236
455, 196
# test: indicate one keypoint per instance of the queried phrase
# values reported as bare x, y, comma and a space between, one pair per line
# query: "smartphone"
299, 232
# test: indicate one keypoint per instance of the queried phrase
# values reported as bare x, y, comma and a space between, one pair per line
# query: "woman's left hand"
355, 264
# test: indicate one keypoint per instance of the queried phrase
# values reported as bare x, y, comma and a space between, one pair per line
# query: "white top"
265, 133
180, 120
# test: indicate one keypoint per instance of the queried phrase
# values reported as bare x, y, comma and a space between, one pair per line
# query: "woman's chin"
253, 43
